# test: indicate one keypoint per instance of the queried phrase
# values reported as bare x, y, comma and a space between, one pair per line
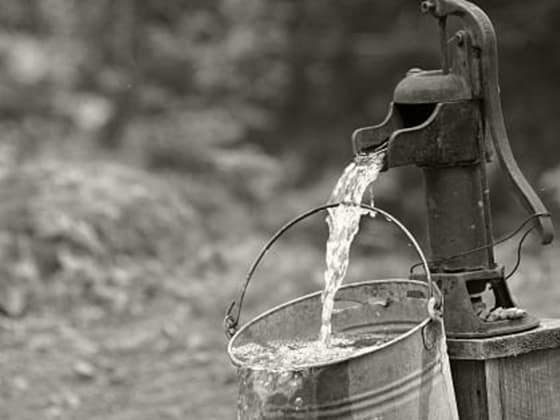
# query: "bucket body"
407, 377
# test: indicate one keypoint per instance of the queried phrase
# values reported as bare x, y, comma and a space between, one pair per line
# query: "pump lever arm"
482, 30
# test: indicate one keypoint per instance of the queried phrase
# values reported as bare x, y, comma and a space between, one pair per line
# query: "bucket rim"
359, 353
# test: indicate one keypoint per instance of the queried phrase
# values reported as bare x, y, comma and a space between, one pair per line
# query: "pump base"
460, 319
510, 377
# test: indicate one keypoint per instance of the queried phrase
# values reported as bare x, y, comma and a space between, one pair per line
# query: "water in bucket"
281, 355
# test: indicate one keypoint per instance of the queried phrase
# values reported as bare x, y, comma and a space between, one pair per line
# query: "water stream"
344, 222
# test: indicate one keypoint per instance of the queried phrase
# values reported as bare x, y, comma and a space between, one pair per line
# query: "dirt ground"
164, 364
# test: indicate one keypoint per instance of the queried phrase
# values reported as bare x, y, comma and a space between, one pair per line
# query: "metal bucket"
407, 377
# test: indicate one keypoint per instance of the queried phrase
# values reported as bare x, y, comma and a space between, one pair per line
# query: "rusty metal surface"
442, 140
367, 139
431, 87
460, 319
456, 218
425, 135
457, 80
408, 377
480, 27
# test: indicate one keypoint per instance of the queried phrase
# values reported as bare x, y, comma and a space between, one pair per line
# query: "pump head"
450, 122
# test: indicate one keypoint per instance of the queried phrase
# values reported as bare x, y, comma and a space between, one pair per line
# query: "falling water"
343, 222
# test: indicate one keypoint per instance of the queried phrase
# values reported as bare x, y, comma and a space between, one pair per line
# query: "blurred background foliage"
127, 122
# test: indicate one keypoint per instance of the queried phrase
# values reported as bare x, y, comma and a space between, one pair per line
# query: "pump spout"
373, 138
423, 135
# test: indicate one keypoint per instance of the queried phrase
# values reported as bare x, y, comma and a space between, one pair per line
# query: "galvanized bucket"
407, 377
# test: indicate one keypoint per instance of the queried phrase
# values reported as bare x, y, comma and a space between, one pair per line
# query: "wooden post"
510, 377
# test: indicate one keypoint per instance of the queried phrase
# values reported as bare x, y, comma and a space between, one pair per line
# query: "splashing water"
343, 222
283, 355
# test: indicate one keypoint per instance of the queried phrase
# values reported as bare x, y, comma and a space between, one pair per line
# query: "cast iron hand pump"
446, 121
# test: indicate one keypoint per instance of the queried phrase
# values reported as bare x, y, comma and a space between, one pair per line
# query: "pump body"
449, 122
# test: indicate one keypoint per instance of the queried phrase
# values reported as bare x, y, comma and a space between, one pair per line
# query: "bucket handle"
231, 320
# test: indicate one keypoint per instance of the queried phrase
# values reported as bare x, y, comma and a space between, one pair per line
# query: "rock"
484, 314
496, 315
520, 313
84, 370
500, 314
514, 313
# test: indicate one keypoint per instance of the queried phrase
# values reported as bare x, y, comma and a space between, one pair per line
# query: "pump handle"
484, 37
